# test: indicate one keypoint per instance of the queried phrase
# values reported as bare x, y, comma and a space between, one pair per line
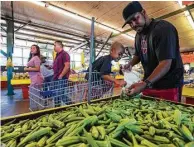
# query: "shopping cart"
66, 92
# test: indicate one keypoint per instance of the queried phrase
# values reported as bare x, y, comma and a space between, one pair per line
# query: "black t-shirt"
102, 65
159, 42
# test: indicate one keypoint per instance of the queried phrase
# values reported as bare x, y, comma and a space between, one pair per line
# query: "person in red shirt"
61, 64
61, 68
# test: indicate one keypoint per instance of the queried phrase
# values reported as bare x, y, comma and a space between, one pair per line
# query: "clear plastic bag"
131, 77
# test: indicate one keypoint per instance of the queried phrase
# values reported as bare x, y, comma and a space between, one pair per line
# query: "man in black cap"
157, 48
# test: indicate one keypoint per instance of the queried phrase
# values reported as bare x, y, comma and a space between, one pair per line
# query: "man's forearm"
134, 61
32, 69
160, 70
65, 70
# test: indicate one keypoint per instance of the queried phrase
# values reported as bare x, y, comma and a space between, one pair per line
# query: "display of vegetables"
17, 76
121, 122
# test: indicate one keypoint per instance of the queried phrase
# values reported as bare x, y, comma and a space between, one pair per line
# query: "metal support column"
10, 45
91, 60
94, 51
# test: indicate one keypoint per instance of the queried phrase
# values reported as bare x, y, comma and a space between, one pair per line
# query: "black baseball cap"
130, 10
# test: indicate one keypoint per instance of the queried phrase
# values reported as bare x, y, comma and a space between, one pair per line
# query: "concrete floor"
14, 105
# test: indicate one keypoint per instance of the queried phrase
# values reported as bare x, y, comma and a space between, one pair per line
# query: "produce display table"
133, 117
3, 82
3, 78
36, 114
23, 83
27, 81
188, 95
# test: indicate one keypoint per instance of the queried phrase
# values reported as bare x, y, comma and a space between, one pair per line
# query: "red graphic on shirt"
144, 46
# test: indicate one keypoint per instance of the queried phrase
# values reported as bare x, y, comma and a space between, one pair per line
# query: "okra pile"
121, 122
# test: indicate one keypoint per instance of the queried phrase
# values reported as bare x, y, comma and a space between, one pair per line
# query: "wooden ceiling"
106, 12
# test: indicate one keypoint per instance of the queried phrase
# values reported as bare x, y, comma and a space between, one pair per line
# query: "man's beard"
139, 29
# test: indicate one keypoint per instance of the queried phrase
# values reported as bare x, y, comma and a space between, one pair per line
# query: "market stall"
113, 121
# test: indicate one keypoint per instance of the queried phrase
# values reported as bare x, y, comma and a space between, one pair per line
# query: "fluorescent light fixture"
27, 32
3, 33
187, 14
181, 4
49, 31
48, 36
3, 21
38, 3
53, 8
78, 17
129, 37
115, 31
107, 28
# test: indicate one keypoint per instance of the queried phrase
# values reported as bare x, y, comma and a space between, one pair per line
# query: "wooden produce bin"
36, 114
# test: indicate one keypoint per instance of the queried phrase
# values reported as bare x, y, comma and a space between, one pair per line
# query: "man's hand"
60, 77
136, 88
127, 67
25, 68
120, 82
65, 70
48, 67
